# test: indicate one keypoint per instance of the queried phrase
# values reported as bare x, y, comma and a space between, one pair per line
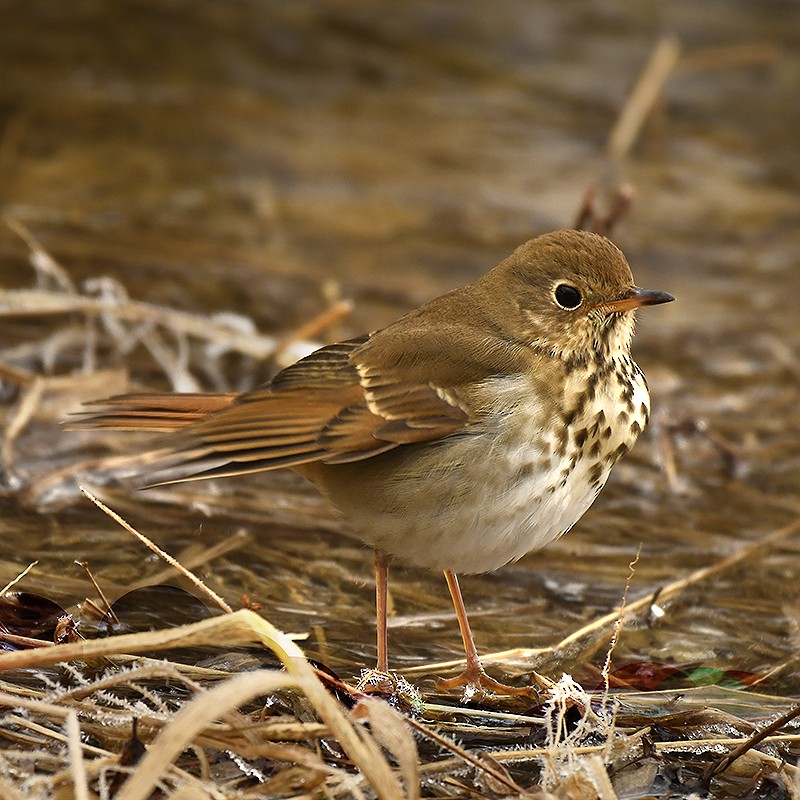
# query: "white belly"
507, 490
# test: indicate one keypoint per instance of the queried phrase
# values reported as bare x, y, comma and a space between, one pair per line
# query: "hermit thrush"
471, 431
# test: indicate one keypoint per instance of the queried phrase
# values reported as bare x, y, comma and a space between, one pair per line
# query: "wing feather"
345, 402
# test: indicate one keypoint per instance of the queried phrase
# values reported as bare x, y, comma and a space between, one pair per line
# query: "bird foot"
375, 681
475, 681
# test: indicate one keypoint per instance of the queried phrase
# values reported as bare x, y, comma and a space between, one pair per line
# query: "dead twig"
310, 329
725, 762
80, 780
206, 556
464, 755
47, 268
32, 302
108, 610
158, 551
618, 624
642, 98
19, 577
590, 219
25, 409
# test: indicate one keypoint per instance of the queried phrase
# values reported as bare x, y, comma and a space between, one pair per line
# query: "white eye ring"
567, 297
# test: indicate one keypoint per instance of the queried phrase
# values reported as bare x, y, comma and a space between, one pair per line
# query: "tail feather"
150, 412
190, 453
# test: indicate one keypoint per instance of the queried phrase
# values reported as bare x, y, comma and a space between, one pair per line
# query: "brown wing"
328, 407
345, 402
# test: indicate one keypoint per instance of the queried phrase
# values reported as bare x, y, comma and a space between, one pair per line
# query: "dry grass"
219, 733
99, 718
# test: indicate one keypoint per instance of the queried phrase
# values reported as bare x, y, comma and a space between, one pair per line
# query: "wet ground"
269, 159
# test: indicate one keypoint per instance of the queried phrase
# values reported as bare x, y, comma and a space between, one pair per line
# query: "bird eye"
568, 297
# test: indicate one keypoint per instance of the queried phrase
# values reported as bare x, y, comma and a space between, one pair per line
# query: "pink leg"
381, 603
474, 676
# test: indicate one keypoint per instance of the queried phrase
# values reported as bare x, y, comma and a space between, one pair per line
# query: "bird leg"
381, 610
474, 677
380, 679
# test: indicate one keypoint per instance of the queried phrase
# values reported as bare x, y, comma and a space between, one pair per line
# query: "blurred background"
272, 160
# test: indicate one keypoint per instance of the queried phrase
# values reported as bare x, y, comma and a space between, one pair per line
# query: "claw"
475, 681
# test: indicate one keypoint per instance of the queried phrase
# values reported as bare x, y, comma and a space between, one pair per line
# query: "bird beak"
635, 297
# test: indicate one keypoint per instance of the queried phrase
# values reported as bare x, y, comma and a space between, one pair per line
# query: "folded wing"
341, 403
